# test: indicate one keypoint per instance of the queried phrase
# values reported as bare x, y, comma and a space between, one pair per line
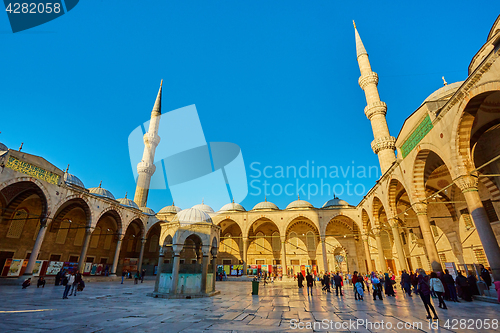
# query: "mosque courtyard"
280, 307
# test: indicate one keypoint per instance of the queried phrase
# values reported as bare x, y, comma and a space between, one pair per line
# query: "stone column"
175, 269
425, 226
325, 255
85, 247
160, 264
468, 185
380, 249
399, 246
117, 255
367, 254
283, 256
204, 267
214, 267
245, 248
36, 247
141, 255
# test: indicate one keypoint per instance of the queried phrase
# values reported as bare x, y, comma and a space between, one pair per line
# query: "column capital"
88, 230
143, 241
322, 238
205, 249
120, 237
162, 251
467, 183
393, 222
364, 237
177, 248
420, 208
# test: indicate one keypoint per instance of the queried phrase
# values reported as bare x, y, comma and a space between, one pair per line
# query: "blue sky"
277, 78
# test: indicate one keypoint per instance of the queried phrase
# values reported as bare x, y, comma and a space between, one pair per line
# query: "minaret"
375, 110
146, 167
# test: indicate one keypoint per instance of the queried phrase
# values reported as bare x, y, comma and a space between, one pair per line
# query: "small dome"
299, 204
3, 149
232, 207
335, 202
172, 209
126, 202
147, 211
203, 208
444, 92
100, 192
72, 180
265, 205
191, 216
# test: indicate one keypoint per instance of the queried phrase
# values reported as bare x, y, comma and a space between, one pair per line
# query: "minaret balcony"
387, 142
367, 79
375, 108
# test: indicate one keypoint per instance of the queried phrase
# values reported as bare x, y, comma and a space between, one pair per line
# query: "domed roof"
232, 207
265, 205
72, 180
191, 216
299, 204
335, 202
100, 192
444, 92
203, 208
147, 211
127, 202
3, 149
172, 209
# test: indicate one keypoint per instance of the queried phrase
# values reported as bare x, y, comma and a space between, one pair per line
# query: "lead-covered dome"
172, 209
147, 211
203, 208
126, 202
192, 216
444, 92
101, 192
232, 207
70, 179
335, 202
299, 204
3, 149
265, 205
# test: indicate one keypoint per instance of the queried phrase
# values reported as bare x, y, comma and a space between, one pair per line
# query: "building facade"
437, 201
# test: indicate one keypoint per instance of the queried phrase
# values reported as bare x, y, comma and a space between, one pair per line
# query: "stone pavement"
112, 307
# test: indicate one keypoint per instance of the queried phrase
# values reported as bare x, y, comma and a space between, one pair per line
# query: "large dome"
101, 192
232, 207
265, 205
172, 209
126, 202
299, 204
70, 179
203, 208
192, 216
444, 92
147, 211
335, 202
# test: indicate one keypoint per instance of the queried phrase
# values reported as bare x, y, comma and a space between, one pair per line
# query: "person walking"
485, 275
309, 283
406, 282
137, 276
143, 274
338, 284
463, 283
450, 283
414, 281
354, 280
424, 290
59, 275
68, 281
124, 273
300, 279
326, 282
438, 288
359, 288
376, 286
76, 282
389, 290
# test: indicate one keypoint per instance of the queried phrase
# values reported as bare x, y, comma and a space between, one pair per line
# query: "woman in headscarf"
377, 286
389, 290
424, 290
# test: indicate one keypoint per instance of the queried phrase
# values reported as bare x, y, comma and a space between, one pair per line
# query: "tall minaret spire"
146, 167
375, 110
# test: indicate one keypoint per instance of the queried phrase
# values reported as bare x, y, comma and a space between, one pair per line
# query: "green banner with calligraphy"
32, 170
416, 136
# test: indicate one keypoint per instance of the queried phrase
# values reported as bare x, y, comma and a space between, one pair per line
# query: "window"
17, 223
292, 242
260, 262
276, 262
94, 239
80, 233
226, 243
194, 261
434, 228
130, 245
55, 257
310, 241
490, 211
227, 262
103, 261
259, 242
107, 241
419, 262
442, 257
73, 259
276, 241
295, 262
153, 243
62, 232
90, 259
181, 261
481, 257
467, 219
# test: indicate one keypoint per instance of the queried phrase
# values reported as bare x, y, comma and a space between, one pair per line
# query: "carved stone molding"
367, 79
386, 142
467, 183
420, 208
375, 108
